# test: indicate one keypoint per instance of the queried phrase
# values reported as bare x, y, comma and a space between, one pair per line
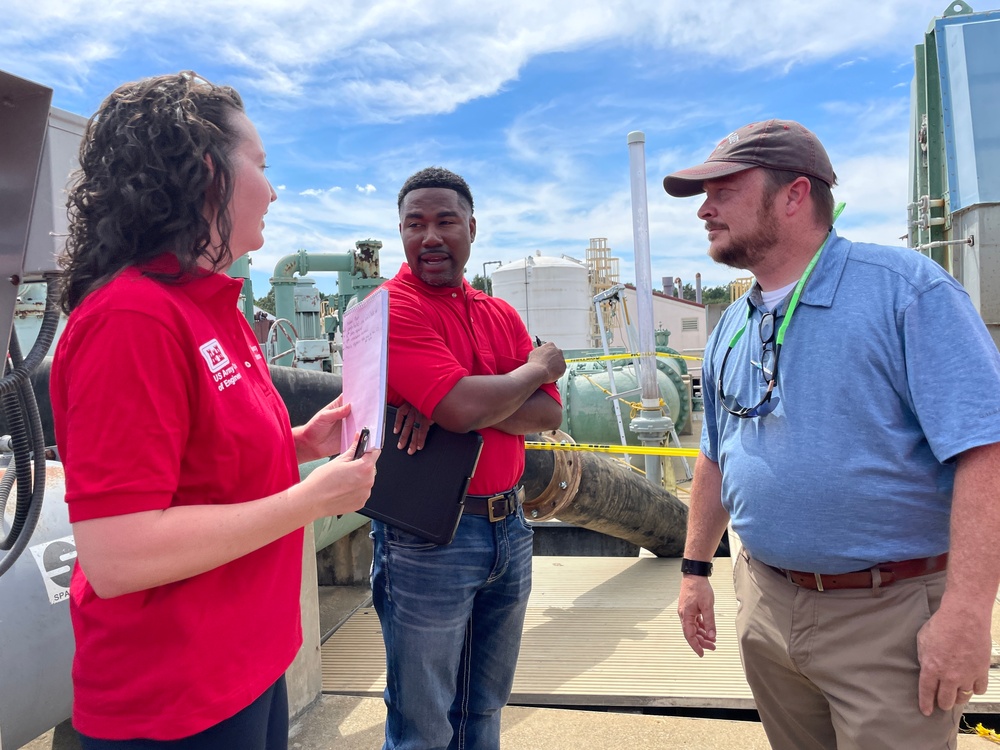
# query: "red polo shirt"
161, 397
439, 335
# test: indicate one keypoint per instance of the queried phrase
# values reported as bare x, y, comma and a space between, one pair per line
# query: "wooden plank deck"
600, 631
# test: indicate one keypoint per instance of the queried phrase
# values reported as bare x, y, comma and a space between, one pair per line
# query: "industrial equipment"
954, 197
38, 148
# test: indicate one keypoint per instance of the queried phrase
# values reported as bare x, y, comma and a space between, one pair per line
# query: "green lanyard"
779, 340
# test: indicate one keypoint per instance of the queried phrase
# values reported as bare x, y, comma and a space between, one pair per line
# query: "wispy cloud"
530, 101
388, 60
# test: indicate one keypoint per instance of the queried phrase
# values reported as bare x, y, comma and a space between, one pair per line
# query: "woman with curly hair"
180, 461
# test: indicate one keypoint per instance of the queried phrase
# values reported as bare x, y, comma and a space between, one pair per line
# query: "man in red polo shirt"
452, 614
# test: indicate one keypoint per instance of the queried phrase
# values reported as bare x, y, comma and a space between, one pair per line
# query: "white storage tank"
552, 296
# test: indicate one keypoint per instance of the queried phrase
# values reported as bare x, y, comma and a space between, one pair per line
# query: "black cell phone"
362, 443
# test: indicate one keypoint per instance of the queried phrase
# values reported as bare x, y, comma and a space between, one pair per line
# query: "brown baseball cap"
775, 144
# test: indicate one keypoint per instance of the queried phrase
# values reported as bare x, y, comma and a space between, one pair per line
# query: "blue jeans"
451, 620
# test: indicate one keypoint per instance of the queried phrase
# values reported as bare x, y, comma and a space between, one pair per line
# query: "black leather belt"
495, 507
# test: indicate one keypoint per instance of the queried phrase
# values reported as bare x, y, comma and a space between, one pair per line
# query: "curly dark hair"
145, 186
436, 177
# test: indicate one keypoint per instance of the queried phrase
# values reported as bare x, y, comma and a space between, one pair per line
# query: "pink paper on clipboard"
366, 354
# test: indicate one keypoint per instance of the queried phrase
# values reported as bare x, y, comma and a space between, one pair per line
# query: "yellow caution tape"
604, 357
634, 450
981, 731
988, 734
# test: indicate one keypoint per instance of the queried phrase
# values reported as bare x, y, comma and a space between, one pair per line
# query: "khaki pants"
838, 670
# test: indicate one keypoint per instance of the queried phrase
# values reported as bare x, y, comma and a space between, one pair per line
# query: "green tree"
710, 295
266, 302
482, 283
715, 295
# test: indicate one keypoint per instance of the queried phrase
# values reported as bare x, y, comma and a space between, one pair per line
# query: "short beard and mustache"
432, 278
748, 250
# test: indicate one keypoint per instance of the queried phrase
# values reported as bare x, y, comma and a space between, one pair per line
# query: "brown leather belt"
866, 579
496, 507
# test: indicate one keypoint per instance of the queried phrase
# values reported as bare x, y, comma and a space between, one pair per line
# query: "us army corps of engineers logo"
224, 373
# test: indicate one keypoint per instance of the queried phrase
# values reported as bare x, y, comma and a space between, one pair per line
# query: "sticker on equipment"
55, 561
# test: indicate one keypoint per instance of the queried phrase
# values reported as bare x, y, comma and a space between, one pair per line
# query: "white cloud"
559, 203
319, 193
389, 59
559, 175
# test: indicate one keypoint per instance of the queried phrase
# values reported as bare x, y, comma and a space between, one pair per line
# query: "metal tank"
552, 296
36, 637
588, 413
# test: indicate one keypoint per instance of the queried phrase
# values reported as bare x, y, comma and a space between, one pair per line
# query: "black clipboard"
424, 493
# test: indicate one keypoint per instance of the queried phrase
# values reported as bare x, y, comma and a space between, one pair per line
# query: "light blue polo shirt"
887, 373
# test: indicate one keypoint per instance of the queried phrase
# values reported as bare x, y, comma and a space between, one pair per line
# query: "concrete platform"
338, 722
348, 723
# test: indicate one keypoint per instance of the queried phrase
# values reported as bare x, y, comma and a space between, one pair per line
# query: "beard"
745, 251
442, 274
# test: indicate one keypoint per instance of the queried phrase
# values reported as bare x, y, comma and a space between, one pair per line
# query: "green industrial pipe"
283, 281
240, 269
357, 273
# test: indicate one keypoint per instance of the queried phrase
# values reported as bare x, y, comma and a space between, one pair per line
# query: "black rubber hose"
305, 392
36, 467
34, 421
28, 439
50, 323
13, 408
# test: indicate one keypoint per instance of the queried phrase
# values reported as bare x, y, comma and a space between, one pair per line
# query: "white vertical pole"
653, 424
643, 277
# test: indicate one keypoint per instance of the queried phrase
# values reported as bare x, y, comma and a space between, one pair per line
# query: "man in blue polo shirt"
859, 473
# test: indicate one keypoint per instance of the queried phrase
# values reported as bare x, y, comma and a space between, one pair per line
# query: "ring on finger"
965, 692
416, 425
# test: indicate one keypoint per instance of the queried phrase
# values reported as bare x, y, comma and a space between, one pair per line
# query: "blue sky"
530, 101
